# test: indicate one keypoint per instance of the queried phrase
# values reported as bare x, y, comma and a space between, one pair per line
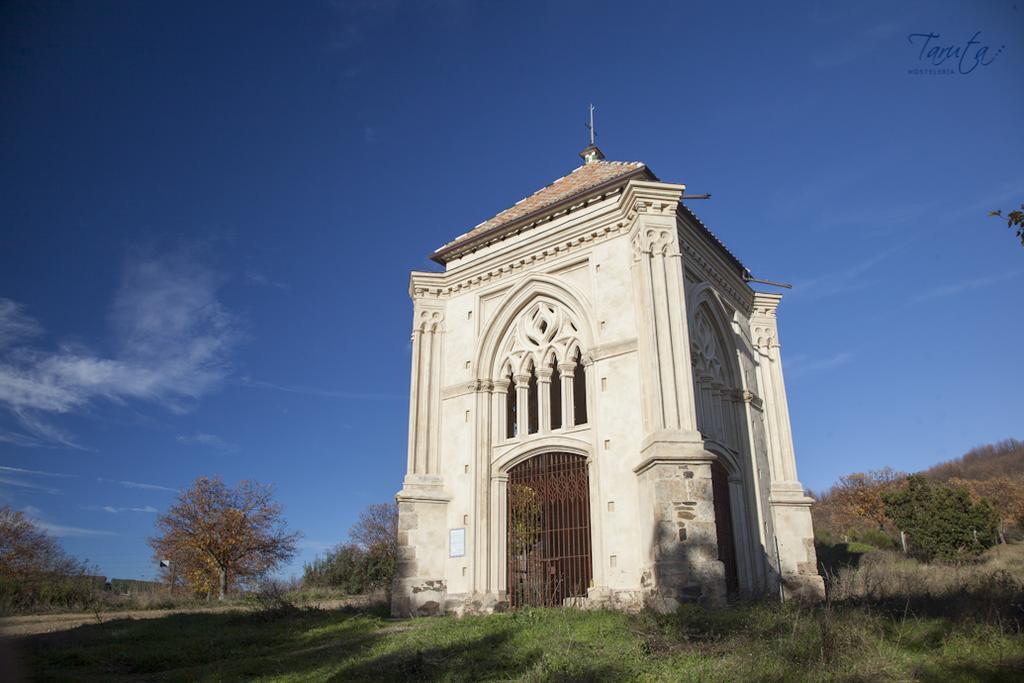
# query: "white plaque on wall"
456, 542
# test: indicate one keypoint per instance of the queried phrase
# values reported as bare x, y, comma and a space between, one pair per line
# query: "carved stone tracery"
715, 387
544, 331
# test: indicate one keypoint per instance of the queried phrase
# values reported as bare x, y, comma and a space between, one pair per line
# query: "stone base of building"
795, 542
803, 587
466, 604
676, 488
419, 589
612, 598
418, 597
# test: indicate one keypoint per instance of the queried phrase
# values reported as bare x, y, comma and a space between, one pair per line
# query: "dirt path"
49, 623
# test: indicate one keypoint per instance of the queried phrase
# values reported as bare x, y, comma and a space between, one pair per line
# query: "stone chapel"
597, 412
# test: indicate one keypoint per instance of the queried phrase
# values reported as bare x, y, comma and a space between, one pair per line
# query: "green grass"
760, 641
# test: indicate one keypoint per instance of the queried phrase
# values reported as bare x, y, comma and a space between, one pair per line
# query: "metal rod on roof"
747, 277
706, 195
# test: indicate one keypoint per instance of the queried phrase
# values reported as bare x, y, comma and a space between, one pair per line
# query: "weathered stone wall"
683, 556
419, 587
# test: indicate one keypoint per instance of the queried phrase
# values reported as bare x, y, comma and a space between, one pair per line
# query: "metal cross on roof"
590, 125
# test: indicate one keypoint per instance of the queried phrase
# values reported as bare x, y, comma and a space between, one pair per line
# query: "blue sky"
208, 215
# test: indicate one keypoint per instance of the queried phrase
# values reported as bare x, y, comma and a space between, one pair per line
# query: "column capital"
567, 369
428, 319
765, 305
522, 381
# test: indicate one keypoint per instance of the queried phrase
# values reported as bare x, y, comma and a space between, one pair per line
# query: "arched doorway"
548, 539
723, 526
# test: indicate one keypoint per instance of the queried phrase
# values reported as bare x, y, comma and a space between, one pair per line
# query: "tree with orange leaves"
216, 536
860, 494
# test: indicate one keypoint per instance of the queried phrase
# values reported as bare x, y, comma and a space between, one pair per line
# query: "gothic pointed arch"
716, 367
540, 316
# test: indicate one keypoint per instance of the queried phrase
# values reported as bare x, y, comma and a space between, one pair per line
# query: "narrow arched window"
579, 391
532, 407
556, 395
510, 408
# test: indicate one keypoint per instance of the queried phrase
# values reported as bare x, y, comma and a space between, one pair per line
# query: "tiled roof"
714, 238
585, 178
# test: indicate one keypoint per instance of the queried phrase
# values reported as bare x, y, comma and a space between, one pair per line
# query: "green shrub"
347, 567
941, 521
875, 538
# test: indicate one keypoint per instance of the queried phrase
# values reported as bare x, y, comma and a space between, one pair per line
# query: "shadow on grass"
232, 646
484, 656
834, 556
304, 644
1010, 670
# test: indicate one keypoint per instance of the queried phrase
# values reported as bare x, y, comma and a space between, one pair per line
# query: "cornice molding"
699, 259
765, 305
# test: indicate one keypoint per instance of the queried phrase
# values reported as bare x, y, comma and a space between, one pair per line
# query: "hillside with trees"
952, 510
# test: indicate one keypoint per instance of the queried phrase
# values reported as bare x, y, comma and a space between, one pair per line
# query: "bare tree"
377, 525
376, 533
26, 551
222, 534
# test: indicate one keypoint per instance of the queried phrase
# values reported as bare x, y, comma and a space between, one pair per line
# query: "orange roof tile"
587, 177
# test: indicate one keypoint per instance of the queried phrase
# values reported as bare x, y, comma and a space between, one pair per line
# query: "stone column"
425, 392
567, 372
419, 587
522, 405
499, 524
663, 333
500, 401
674, 475
791, 509
490, 407
544, 400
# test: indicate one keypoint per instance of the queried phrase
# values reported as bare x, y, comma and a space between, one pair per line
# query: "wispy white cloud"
62, 531
172, 338
137, 485
43, 432
18, 483
967, 285
208, 440
40, 473
842, 280
313, 391
14, 324
116, 510
800, 366
19, 439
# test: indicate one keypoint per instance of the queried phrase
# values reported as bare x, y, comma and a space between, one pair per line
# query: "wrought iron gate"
548, 530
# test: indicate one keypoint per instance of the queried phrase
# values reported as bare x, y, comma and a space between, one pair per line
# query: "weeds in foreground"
965, 625
761, 641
